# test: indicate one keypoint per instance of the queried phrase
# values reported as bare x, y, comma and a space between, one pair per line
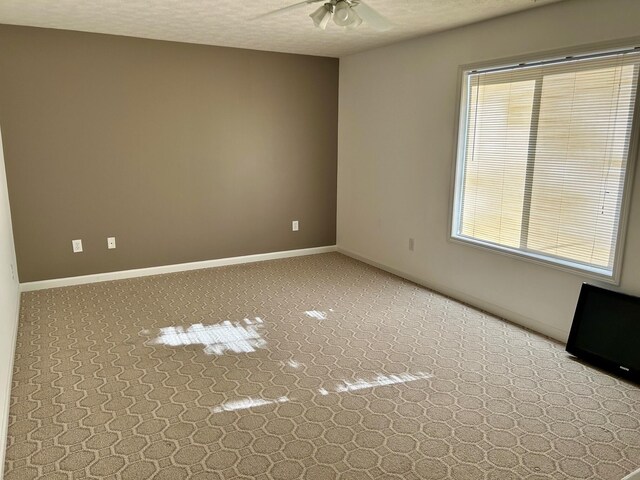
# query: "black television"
606, 331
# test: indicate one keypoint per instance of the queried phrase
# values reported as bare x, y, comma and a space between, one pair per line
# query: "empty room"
320, 239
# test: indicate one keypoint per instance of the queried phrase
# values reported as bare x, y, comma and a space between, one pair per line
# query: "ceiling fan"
345, 13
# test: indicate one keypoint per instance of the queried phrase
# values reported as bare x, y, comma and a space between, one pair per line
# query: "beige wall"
396, 147
182, 152
9, 298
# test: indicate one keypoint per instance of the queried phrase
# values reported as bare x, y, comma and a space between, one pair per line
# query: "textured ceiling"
229, 22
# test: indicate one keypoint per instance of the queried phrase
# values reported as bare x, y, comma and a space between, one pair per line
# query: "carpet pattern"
316, 367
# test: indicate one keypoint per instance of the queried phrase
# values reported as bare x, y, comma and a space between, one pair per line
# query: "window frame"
457, 173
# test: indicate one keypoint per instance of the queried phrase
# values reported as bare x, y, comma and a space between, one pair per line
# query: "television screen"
606, 331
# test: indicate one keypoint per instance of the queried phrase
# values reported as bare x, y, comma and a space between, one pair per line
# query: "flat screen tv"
606, 331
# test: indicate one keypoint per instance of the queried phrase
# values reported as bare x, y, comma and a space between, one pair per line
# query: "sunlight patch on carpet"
317, 314
293, 364
217, 339
247, 403
380, 381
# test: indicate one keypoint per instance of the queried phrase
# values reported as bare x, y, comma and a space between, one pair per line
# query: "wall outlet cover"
111, 242
77, 246
295, 226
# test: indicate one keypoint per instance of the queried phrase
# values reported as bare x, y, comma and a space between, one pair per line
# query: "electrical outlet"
111, 242
295, 226
411, 244
77, 246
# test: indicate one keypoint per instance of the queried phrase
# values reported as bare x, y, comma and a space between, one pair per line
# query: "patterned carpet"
315, 367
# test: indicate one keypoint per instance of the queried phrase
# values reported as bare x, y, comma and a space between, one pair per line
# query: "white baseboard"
180, 267
5, 390
491, 308
633, 475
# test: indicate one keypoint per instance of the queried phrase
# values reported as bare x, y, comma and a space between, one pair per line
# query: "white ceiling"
229, 22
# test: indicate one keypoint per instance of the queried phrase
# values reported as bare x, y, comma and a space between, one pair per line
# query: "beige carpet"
327, 368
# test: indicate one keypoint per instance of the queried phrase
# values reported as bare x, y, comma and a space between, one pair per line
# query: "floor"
316, 367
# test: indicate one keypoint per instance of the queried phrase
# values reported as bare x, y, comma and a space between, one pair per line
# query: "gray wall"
396, 154
9, 298
182, 152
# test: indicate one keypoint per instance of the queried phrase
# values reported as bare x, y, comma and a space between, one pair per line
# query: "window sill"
583, 271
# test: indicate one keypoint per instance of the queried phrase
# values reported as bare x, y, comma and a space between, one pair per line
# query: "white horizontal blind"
545, 152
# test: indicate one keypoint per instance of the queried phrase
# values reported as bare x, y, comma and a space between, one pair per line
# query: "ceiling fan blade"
372, 17
286, 9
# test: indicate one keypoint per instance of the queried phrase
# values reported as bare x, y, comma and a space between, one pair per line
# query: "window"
543, 157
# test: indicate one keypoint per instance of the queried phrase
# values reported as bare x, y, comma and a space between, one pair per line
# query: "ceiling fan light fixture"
321, 16
343, 14
356, 22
